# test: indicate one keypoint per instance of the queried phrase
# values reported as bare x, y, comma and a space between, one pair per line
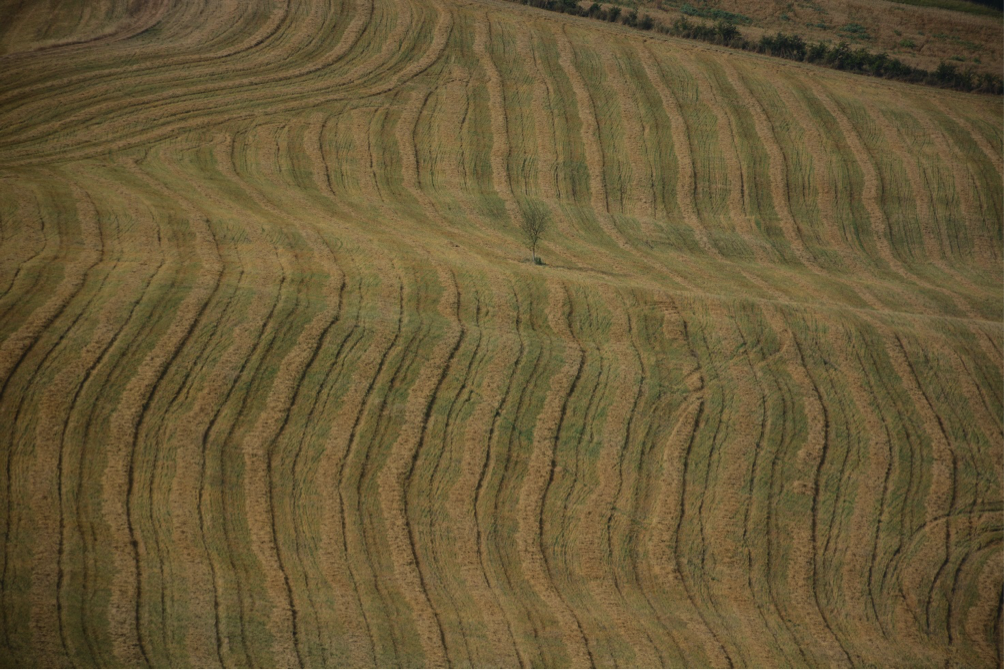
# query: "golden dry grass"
280, 386
918, 32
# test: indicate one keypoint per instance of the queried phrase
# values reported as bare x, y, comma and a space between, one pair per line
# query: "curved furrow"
48, 577
418, 166
984, 526
416, 173
363, 145
905, 236
943, 199
844, 479
119, 483
47, 434
944, 495
971, 494
335, 546
827, 192
736, 195
135, 24
463, 496
267, 40
569, 180
701, 523
143, 221
902, 481
870, 195
757, 546
96, 88
574, 477
908, 441
269, 402
669, 568
304, 461
846, 177
545, 625
24, 240
992, 178
785, 161
600, 105
212, 420
500, 154
395, 477
16, 345
540, 475
686, 144
495, 402
302, 567
193, 111
74, 541
633, 500
392, 42
366, 549
217, 511
589, 131
639, 194
173, 536
589, 136
724, 489
987, 616
591, 139
822, 191
930, 238
260, 450
777, 170
687, 188
867, 528
112, 370
543, 109
556, 185
942, 491
817, 448
776, 550
661, 164
870, 472
224, 436
185, 496
448, 136
600, 559
990, 422
433, 519
281, 386
881, 227
358, 87
262, 447
407, 146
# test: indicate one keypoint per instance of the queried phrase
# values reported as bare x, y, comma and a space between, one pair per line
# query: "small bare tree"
534, 224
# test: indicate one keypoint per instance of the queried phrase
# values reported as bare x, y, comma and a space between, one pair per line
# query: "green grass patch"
855, 31
716, 14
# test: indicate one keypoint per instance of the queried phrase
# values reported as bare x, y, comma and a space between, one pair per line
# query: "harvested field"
280, 386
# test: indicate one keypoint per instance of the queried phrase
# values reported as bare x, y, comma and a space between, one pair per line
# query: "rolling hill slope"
280, 385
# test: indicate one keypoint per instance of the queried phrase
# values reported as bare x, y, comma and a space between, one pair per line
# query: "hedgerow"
840, 56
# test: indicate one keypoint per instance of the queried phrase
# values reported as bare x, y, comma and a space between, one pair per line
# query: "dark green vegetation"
793, 47
979, 7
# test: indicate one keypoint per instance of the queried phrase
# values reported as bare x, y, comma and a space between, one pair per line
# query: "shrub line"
724, 32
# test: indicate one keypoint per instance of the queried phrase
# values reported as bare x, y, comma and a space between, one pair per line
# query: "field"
921, 33
280, 386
